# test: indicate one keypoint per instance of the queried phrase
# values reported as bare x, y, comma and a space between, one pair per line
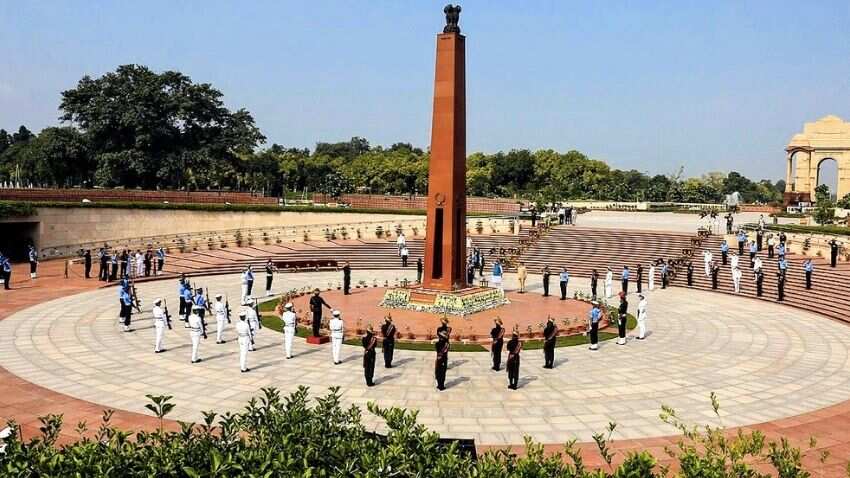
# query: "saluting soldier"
336, 326
639, 279
159, 323
441, 363
497, 334
622, 318
546, 275
369, 343
243, 337
514, 348
550, 337
270, 270
289, 321
564, 280
196, 326
742, 240
220, 310
388, 332
253, 321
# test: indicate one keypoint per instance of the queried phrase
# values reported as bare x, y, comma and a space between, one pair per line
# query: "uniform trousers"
549, 353
196, 344
496, 351
244, 291
244, 345
440, 367
563, 290
159, 327
594, 335
513, 371
546, 287
369, 366
269, 280
220, 323
808, 279
288, 336
641, 322
336, 348
388, 348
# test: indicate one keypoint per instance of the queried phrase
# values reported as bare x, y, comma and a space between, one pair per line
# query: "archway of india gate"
824, 139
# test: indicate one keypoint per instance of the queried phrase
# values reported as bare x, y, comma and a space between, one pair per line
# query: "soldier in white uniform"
289, 320
736, 279
733, 261
609, 280
707, 258
336, 325
641, 317
253, 321
757, 265
195, 331
244, 337
651, 278
244, 279
159, 323
220, 311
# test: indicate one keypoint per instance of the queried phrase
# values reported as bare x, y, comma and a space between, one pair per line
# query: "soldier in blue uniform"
126, 307
624, 279
113, 264
753, 252
808, 267
186, 299
160, 260
593, 326
33, 258
6, 270
200, 301
724, 251
564, 280
742, 239
103, 257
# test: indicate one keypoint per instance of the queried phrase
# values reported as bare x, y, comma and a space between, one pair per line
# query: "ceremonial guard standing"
715, 269
336, 327
522, 275
316, 304
690, 273
753, 252
388, 332
742, 239
160, 321
497, 334
346, 279
441, 364
253, 321
160, 260
270, 270
496, 275
808, 267
734, 261
664, 277
186, 298
244, 338
724, 251
244, 281
369, 344
550, 337
87, 263
220, 310
706, 259
564, 280
289, 321
103, 258
400, 242
6, 265
641, 317
594, 283
651, 277
639, 279
622, 319
609, 279
126, 307
759, 282
771, 243
546, 274
833, 252
419, 268
593, 318
405, 255
196, 327
33, 258
736, 279
201, 302
780, 286
624, 279
514, 348
113, 264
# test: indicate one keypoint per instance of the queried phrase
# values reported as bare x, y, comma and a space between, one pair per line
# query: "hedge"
10, 209
298, 436
797, 228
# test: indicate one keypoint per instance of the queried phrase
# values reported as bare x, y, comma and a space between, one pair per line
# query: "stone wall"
132, 195
377, 201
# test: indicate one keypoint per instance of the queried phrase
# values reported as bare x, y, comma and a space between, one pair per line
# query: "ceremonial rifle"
204, 328
251, 334
207, 299
227, 308
137, 304
167, 315
257, 311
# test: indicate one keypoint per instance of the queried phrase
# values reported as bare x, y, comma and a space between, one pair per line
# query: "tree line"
137, 128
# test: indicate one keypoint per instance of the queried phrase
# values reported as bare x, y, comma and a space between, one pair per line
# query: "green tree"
824, 207
157, 129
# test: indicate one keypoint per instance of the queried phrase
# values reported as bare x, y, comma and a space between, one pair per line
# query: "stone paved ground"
766, 362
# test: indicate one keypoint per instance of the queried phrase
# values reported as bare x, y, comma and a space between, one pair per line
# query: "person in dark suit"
316, 304
514, 348
497, 334
639, 278
441, 363
369, 343
346, 279
87, 262
388, 331
546, 275
550, 337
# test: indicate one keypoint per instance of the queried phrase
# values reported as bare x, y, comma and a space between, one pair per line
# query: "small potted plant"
479, 227
379, 231
359, 327
409, 333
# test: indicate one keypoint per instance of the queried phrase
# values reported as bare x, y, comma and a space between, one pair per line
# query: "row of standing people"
117, 264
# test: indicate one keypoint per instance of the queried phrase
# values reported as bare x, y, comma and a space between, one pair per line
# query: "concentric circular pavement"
764, 362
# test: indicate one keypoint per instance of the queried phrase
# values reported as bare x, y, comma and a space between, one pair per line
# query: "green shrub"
10, 209
296, 436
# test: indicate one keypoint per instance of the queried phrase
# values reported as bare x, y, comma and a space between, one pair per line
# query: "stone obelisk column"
445, 245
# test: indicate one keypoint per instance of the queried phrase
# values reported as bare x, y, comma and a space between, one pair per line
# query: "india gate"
825, 139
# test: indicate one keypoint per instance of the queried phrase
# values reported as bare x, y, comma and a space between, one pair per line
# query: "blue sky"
650, 85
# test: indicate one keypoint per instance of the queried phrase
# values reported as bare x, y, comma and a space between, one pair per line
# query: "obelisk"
445, 239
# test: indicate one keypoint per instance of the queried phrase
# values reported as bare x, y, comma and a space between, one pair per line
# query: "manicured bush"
9, 209
296, 436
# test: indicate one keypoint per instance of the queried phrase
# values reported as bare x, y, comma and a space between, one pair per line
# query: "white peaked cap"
335, 313
157, 301
288, 305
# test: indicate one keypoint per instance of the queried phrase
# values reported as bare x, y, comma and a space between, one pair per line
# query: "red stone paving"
524, 310
25, 402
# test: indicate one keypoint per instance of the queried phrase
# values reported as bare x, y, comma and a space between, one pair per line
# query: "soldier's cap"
288, 305
595, 302
243, 314
369, 328
218, 296
444, 320
498, 321
246, 302
335, 313
157, 301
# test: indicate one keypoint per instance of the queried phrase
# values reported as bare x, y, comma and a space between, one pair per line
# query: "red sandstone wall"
473, 204
77, 195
